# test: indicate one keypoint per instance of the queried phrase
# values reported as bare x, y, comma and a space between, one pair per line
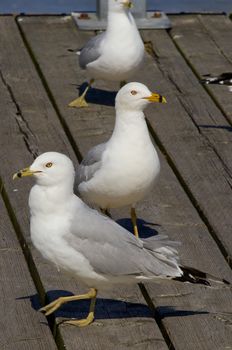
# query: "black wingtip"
185, 278
204, 81
199, 277
225, 281
193, 276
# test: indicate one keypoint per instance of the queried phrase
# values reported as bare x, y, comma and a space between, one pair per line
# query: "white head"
50, 169
136, 96
119, 5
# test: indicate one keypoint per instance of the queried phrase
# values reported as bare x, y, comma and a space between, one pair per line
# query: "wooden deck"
191, 202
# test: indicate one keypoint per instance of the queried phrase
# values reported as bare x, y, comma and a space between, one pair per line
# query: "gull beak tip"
24, 172
154, 97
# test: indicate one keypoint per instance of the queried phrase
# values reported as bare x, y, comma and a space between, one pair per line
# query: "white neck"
119, 21
46, 198
58, 192
130, 124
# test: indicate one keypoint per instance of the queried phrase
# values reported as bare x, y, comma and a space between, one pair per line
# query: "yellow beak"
25, 172
156, 98
127, 4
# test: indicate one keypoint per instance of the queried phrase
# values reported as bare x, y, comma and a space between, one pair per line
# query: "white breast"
50, 229
122, 51
128, 172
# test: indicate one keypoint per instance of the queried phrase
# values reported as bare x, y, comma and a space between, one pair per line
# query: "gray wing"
112, 250
91, 51
90, 164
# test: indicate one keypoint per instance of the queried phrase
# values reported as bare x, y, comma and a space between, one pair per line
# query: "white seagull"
88, 245
115, 54
123, 170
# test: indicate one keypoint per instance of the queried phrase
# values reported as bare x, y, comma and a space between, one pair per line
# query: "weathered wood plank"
219, 31
206, 42
200, 155
21, 327
168, 205
24, 103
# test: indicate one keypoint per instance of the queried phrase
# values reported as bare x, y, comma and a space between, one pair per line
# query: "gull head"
119, 5
136, 96
49, 169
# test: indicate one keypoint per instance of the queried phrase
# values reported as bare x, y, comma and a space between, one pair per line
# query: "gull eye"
49, 165
134, 92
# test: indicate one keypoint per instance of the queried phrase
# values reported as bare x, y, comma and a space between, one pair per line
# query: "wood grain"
206, 42
21, 326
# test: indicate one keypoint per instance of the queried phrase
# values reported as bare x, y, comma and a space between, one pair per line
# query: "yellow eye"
134, 92
48, 165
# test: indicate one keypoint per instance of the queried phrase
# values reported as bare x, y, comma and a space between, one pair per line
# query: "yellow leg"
80, 101
149, 48
134, 222
54, 305
89, 319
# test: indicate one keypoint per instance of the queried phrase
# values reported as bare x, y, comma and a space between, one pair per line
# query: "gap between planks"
198, 76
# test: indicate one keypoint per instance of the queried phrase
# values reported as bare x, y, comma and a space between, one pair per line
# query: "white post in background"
144, 19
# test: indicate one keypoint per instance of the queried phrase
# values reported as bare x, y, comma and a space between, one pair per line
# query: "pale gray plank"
21, 326
205, 41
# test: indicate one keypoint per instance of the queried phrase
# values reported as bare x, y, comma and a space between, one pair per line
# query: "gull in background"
121, 171
88, 245
115, 54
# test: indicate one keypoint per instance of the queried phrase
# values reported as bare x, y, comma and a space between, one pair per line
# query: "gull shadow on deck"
223, 127
105, 308
98, 96
108, 308
146, 229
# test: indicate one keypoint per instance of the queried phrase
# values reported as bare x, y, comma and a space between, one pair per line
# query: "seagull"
223, 79
115, 54
88, 245
121, 171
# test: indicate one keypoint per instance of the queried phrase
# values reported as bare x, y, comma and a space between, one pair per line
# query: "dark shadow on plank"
146, 229
98, 96
169, 311
108, 308
105, 308
224, 127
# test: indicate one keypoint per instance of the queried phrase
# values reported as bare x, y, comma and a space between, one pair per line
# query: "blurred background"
67, 6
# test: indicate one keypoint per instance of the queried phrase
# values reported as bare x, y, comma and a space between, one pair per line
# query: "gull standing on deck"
88, 245
122, 171
114, 54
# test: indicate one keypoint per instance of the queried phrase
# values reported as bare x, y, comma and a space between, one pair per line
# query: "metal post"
144, 19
